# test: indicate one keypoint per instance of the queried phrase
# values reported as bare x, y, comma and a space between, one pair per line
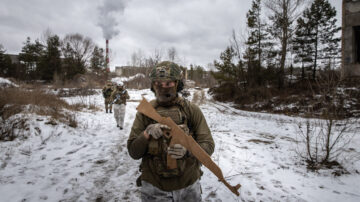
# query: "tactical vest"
108, 92
157, 149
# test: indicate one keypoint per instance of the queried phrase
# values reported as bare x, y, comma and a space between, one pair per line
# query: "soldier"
107, 90
118, 97
147, 141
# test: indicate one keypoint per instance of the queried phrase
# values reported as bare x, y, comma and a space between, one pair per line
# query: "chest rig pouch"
158, 148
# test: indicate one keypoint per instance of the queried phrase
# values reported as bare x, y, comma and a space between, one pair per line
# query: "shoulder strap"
185, 107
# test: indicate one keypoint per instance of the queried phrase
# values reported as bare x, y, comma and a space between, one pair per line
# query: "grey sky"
198, 29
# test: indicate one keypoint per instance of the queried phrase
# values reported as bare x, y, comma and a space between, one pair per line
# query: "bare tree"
172, 53
154, 59
138, 58
283, 14
79, 47
157, 55
236, 44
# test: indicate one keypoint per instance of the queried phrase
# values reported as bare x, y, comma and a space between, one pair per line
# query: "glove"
176, 151
155, 130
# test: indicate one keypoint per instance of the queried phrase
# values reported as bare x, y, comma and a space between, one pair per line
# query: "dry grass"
16, 100
14, 128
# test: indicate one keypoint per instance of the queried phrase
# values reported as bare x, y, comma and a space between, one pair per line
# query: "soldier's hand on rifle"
176, 151
156, 130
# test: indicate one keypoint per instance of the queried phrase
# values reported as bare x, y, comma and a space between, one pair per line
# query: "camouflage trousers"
119, 114
108, 104
150, 193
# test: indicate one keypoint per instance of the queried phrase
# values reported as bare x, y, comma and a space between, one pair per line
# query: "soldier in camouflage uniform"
119, 97
107, 90
146, 141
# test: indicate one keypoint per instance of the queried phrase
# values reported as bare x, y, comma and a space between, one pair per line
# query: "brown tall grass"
17, 100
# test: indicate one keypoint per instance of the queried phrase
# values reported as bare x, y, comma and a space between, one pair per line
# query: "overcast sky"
198, 29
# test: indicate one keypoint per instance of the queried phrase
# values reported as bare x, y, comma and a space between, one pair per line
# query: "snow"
6, 82
91, 162
121, 80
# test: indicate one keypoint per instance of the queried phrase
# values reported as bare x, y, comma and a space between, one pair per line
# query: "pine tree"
5, 63
229, 75
97, 61
331, 43
3, 68
317, 28
302, 44
191, 72
50, 62
257, 44
31, 55
227, 71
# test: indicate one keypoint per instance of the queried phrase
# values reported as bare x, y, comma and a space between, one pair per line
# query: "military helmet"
120, 84
166, 71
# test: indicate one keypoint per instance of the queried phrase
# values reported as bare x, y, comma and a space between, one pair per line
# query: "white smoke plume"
109, 12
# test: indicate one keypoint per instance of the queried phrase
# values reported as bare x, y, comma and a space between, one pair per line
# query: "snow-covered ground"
91, 163
6, 83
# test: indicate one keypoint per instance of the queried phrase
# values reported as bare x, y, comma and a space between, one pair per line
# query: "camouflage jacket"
122, 94
138, 147
107, 90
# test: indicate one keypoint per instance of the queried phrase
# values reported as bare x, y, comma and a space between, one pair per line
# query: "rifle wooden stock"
180, 137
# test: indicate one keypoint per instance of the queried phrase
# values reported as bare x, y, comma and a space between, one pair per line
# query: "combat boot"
110, 111
106, 111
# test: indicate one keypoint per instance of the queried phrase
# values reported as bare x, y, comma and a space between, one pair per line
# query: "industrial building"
351, 38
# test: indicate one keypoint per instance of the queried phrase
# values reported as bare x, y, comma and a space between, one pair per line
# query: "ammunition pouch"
158, 163
157, 148
158, 166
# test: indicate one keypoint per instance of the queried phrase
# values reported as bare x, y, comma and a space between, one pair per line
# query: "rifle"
118, 96
180, 137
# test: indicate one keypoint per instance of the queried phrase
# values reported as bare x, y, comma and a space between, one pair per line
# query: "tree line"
303, 33
54, 58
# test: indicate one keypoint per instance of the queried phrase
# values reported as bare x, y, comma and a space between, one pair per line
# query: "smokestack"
107, 56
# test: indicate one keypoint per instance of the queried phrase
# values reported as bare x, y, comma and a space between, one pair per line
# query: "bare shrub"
323, 142
224, 92
72, 122
13, 128
71, 92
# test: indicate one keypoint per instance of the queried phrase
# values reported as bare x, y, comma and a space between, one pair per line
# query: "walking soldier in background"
149, 140
107, 90
118, 97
